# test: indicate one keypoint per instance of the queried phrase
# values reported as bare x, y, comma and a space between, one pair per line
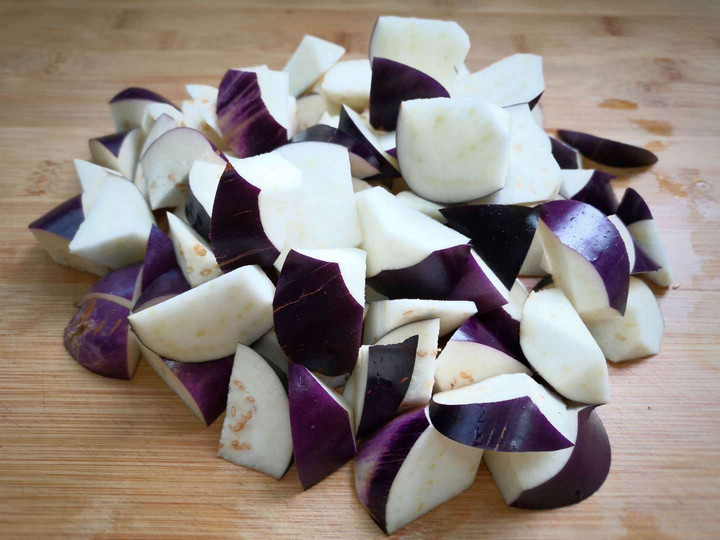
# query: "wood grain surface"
84, 456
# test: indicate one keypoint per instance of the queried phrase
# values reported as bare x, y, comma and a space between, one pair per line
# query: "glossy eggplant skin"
567, 157
347, 126
317, 321
513, 425
606, 151
159, 256
137, 93
583, 474
501, 234
587, 231
599, 193
64, 220
237, 235
120, 283
394, 82
445, 274
322, 432
633, 208
390, 369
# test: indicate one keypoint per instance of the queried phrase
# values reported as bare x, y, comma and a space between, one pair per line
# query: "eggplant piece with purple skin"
544, 480
635, 214
379, 382
354, 126
567, 157
318, 310
588, 257
363, 161
248, 126
591, 187
506, 413
501, 234
321, 424
121, 286
606, 151
395, 466
118, 151
128, 106
98, 337
392, 83
159, 256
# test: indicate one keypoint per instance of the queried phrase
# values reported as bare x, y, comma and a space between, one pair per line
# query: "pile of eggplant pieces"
337, 269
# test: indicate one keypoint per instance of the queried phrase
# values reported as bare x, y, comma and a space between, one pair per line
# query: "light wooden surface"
84, 456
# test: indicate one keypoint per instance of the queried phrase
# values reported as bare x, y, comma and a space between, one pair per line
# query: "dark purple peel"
322, 433
120, 283
237, 235
633, 208
390, 368
392, 83
606, 151
587, 231
534, 101
582, 475
643, 262
347, 126
196, 215
246, 124
505, 330
136, 93
513, 425
599, 193
445, 274
98, 338
317, 321
64, 220
380, 457
475, 331
393, 152
567, 156
159, 256
360, 156
113, 142
163, 287
501, 234
543, 283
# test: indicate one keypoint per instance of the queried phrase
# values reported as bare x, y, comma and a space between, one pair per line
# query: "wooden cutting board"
83, 456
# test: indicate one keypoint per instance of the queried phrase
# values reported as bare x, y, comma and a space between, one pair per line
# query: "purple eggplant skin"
380, 457
534, 101
321, 428
582, 475
606, 151
501, 234
513, 425
347, 126
98, 338
633, 208
599, 193
196, 215
317, 321
207, 382
64, 220
137, 93
390, 368
586, 230
159, 256
247, 126
643, 262
505, 330
393, 152
445, 274
391, 84
120, 283
237, 236
329, 134
165, 286
565, 155
112, 142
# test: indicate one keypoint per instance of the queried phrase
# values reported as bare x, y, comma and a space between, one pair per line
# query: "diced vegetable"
119, 151
561, 349
356, 127
348, 82
567, 156
309, 110
591, 187
203, 181
121, 286
429, 208
256, 431
606, 151
194, 256
91, 177
312, 58
128, 106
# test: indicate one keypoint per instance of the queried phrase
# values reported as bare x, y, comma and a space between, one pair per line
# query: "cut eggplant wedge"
128, 106
544, 480
119, 151
256, 432
636, 334
635, 214
92, 177
423, 375
318, 308
386, 315
207, 322
203, 181
429, 208
506, 413
453, 150
587, 256
352, 124
122, 286
407, 468
312, 58
561, 349
194, 256
321, 425
591, 187
348, 82
606, 151
566, 156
